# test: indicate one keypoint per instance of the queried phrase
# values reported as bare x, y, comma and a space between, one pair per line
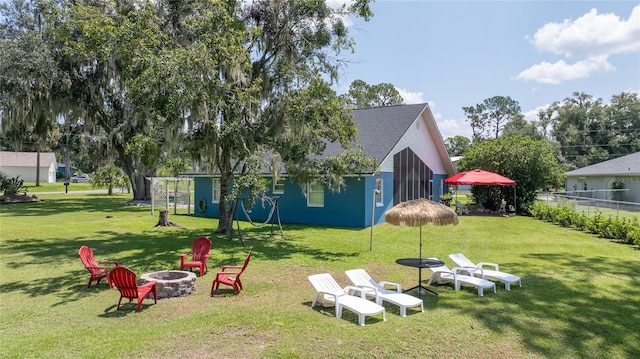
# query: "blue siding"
437, 179
351, 207
387, 192
203, 191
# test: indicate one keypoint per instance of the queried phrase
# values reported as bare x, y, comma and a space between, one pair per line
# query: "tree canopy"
363, 95
581, 129
457, 145
236, 86
531, 163
487, 119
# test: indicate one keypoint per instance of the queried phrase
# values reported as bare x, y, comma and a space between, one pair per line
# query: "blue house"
411, 159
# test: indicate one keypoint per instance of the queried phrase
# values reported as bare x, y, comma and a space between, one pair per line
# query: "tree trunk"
140, 189
139, 184
163, 219
38, 165
225, 217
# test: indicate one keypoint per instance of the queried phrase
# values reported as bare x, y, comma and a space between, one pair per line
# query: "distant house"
24, 164
597, 180
62, 170
411, 159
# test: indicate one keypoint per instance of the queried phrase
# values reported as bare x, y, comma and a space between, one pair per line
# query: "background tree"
519, 126
546, 119
623, 113
531, 163
111, 44
488, 119
110, 176
476, 121
457, 145
363, 95
580, 127
29, 76
174, 167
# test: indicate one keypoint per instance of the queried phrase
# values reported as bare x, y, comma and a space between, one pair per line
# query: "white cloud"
432, 106
450, 127
554, 73
593, 37
532, 115
454, 127
411, 97
591, 34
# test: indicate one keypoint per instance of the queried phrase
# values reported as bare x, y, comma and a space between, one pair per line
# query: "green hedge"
620, 229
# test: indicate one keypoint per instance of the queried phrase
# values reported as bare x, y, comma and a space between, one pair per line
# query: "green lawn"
580, 296
58, 187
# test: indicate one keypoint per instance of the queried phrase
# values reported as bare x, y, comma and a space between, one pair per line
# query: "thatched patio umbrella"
421, 211
417, 212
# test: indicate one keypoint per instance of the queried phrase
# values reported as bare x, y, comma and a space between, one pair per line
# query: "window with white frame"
315, 195
215, 190
378, 193
278, 186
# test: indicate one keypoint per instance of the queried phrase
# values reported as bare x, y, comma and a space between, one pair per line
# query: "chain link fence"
172, 193
587, 202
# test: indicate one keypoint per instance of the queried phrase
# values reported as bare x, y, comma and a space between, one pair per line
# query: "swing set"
272, 202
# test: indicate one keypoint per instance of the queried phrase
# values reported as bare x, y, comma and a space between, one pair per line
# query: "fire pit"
172, 283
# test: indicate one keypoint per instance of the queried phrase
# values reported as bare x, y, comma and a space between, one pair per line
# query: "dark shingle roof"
626, 165
380, 128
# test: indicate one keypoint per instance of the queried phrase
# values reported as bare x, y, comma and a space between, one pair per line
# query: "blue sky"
457, 53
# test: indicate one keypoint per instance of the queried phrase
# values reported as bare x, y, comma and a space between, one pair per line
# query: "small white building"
592, 180
23, 164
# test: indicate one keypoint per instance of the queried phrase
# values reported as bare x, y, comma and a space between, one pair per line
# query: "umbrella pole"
421, 243
420, 266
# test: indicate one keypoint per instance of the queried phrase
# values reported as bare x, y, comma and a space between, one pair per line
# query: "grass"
580, 294
59, 187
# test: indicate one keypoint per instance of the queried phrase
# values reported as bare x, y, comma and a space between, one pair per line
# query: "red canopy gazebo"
482, 178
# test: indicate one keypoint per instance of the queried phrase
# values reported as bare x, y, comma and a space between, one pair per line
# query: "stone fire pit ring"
172, 283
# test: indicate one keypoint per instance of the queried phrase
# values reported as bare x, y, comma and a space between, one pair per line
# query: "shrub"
12, 186
620, 229
110, 176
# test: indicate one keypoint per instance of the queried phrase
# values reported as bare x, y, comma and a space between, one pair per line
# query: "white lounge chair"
361, 279
496, 274
459, 275
329, 291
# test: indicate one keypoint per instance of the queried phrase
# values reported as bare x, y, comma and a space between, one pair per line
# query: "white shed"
23, 164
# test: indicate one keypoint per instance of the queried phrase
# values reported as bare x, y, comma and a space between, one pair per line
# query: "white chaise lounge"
458, 276
329, 291
376, 290
495, 273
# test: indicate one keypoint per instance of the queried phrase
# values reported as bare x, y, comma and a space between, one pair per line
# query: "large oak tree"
242, 86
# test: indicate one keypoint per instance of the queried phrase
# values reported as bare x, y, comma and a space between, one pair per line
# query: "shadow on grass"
586, 316
222, 293
126, 308
156, 249
347, 315
73, 204
564, 282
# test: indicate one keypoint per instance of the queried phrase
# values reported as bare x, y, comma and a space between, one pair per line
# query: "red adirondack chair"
96, 270
125, 280
199, 255
230, 278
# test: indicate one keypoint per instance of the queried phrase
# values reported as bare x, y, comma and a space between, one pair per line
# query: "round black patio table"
420, 263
